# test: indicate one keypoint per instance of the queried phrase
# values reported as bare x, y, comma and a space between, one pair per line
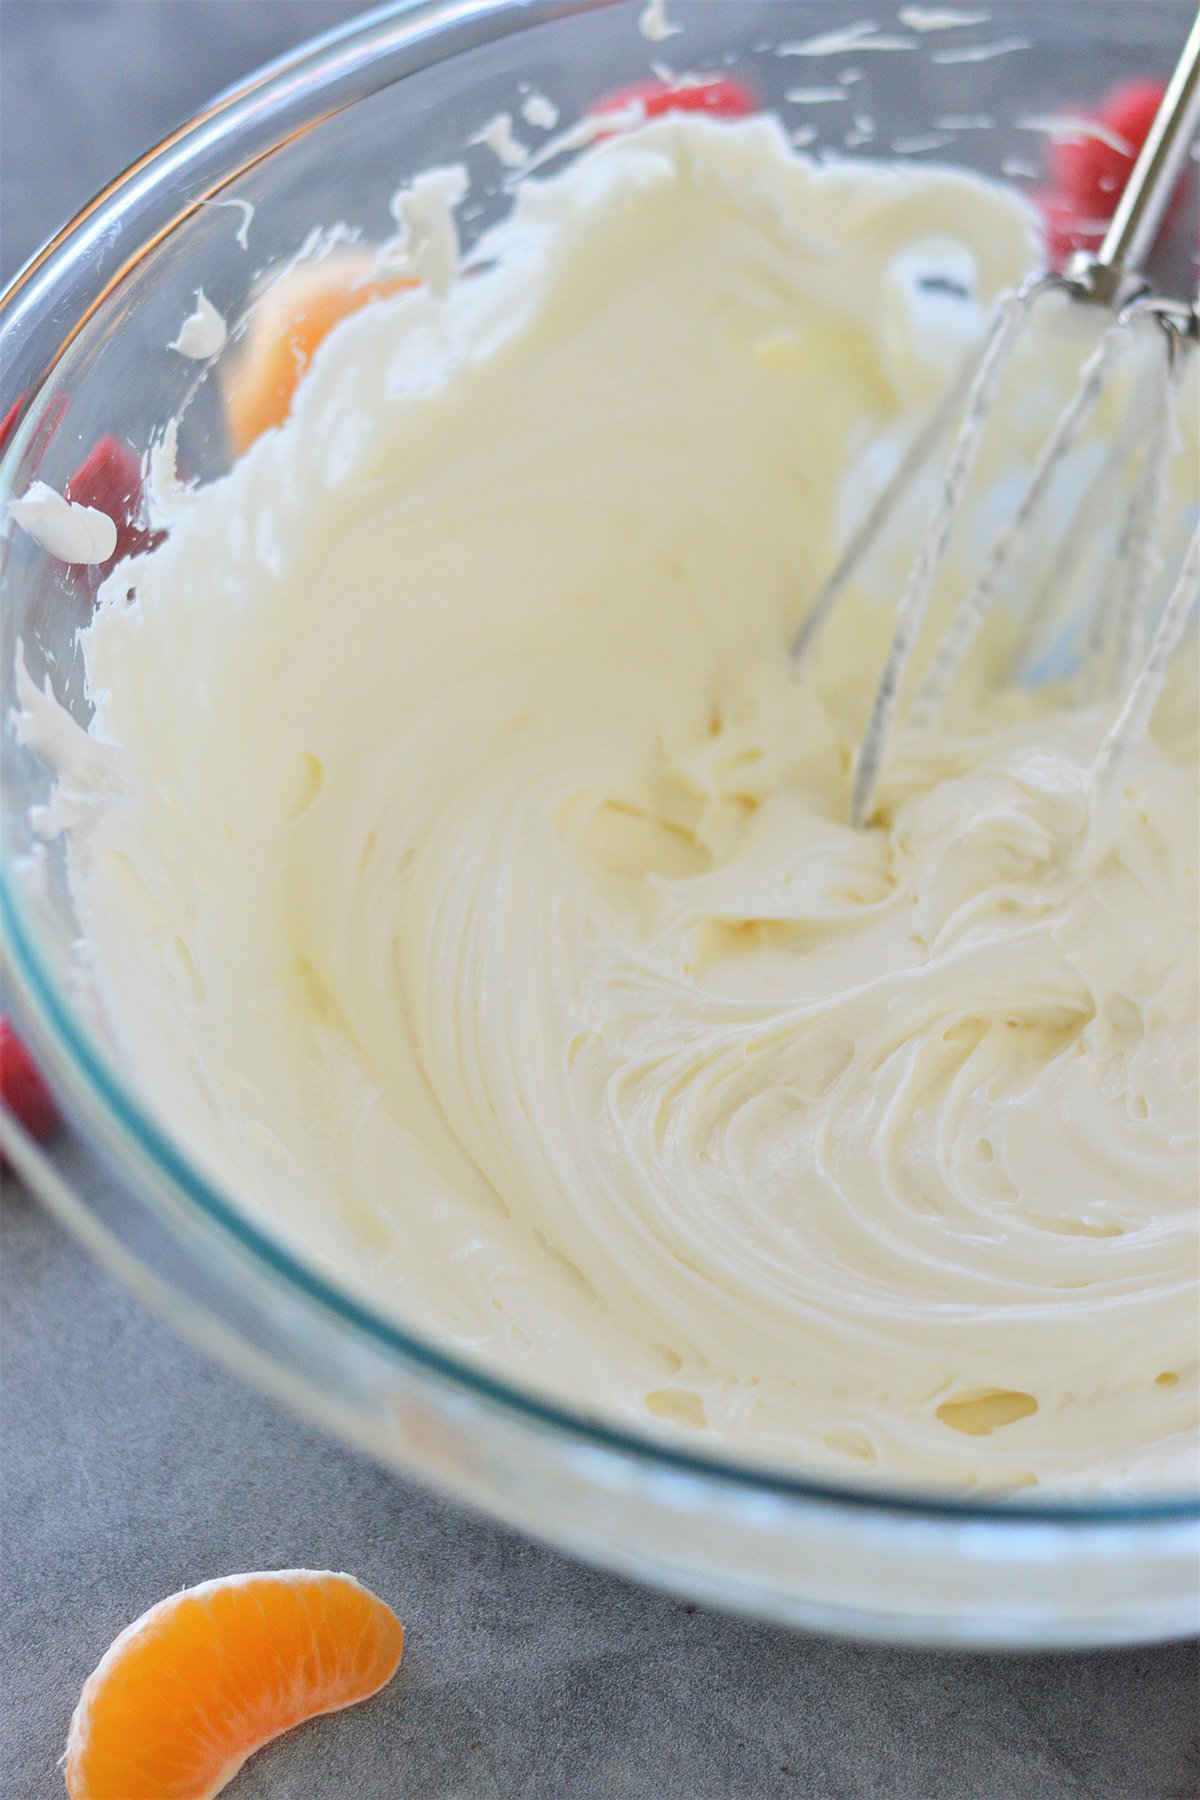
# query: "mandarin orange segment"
291, 320
191, 1689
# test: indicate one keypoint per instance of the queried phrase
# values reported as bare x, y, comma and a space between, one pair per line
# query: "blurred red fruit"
23, 1093
1090, 172
724, 97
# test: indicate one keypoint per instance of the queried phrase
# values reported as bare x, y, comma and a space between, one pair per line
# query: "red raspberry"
110, 479
1089, 173
724, 97
22, 1091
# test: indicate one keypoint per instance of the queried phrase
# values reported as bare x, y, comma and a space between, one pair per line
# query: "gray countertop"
130, 1467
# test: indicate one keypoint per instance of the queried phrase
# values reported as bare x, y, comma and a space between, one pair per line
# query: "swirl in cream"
481, 907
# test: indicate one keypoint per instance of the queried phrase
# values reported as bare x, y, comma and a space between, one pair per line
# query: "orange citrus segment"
188, 1691
290, 321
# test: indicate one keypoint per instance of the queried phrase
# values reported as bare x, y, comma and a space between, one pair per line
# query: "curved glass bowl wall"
322, 138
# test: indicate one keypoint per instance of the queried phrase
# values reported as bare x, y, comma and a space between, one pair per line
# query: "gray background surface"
130, 1467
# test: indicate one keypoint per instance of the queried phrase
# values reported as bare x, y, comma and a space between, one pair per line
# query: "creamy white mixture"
468, 881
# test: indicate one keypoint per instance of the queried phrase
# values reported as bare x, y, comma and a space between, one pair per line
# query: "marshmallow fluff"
470, 888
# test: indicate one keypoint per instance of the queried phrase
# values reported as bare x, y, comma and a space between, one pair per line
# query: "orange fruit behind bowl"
191, 1689
289, 322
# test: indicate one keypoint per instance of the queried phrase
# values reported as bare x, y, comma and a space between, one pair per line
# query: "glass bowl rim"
87, 1068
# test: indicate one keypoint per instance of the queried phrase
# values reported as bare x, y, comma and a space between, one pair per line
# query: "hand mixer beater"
1132, 638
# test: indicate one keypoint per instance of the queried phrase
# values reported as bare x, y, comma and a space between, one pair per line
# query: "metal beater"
1129, 651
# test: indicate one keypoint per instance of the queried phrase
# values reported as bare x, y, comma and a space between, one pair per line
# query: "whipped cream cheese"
654, 24
203, 332
72, 532
540, 111
468, 881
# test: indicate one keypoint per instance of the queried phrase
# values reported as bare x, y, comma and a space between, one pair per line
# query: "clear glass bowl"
322, 137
